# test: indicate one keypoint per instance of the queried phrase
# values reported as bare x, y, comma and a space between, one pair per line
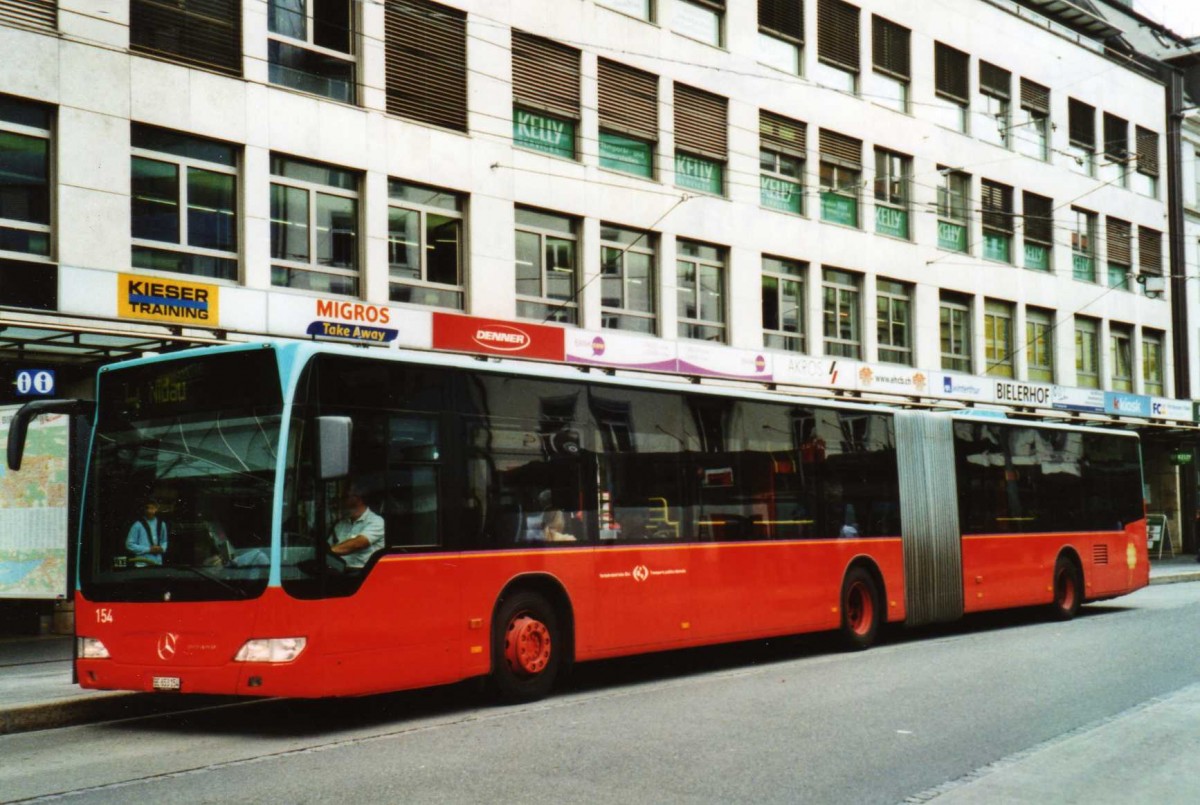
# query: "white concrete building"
936, 196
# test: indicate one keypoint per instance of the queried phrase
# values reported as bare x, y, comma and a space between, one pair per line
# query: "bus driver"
359, 533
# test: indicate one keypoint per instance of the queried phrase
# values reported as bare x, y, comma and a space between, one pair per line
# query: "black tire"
862, 609
527, 647
1068, 590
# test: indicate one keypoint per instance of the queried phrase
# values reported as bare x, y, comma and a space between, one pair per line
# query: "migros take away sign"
167, 300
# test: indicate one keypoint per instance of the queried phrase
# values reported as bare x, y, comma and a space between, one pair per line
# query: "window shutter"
628, 100
205, 33
1081, 120
890, 48
782, 17
1119, 236
545, 75
779, 133
837, 34
1149, 251
997, 206
700, 122
1035, 97
37, 14
841, 150
1116, 138
426, 49
995, 81
1147, 151
952, 73
1039, 218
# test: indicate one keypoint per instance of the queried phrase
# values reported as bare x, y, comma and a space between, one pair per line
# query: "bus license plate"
166, 683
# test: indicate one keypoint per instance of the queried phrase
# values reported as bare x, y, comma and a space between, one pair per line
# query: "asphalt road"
788, 721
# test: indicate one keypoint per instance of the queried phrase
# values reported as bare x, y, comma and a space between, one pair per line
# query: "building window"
838, 59
1081, 145
700, 283
425, 245
24, 178
1032, 130
1083, 245
1115, 168
1039, 344
1119, 238
702, 20
955, 326
841, 173
1038, 215
1146, 176
843, 327
782, 144
425, 45
183, 204
1087, 353
783, 304
701, 125
204, 33
1120, 340
952, 86
1150, 253
310, 46
954, 210
642, 9
628, 119
547, 266
998, 339
314, 227
893, 174
890, 58
781, 34
1152, 365
627, 280
545, 95
997, 200
893, 312
995, 92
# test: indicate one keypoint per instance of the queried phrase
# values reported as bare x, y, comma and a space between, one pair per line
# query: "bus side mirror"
333, 447
19, 427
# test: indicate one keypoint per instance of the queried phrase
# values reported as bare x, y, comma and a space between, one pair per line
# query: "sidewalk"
36, 691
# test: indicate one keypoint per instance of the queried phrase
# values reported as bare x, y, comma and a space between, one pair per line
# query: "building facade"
962, 202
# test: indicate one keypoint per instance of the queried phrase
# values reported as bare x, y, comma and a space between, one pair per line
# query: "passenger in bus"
147, 538
360, 531
554, 526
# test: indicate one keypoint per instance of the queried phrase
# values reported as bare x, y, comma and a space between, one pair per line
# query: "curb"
1176, 578
103, 706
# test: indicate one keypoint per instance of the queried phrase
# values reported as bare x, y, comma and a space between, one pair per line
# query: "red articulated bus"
524, 517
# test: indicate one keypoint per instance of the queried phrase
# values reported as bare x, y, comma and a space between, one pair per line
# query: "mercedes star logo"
166, 646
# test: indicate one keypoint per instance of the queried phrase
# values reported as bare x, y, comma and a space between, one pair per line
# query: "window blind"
426, 53
837, 34
628, 100
545, 75
890, 48
701, 122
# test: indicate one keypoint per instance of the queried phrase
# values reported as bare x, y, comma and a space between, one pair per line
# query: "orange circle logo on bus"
641, 573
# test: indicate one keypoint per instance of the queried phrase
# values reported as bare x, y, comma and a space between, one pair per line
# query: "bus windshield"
179, 489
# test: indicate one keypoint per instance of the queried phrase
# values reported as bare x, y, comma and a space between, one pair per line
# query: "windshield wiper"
216, 579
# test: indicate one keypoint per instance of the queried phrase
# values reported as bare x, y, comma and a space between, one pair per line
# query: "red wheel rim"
526, 645
1066, 590
860, 608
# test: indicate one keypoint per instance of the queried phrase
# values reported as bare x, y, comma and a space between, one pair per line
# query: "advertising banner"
827, 373
507, 339
1178, 410
1072, 399
714, 360
168, 301
33, 511
620, 350
1125, 404
883, 379
347, 320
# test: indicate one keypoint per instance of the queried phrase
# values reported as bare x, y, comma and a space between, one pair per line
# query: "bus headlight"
272, 649
90, 648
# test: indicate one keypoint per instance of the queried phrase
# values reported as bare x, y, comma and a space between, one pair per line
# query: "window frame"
946, 210
567, 309
695, 290
844, 290
891, 297
1087, 355
893, 190
1152, 362
644, 244
423, 211
998, 316
778, 337
32, 132
349, 56
1039, 344
954, 333
716, 8
313, 189
1083, 245
1120, 351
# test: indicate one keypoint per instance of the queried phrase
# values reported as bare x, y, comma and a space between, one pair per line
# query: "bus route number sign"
35, 382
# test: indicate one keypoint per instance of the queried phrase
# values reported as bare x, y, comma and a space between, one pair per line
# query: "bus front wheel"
1068, 590
862, 609
527, 647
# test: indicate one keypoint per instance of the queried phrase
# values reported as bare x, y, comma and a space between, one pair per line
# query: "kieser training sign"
167, 300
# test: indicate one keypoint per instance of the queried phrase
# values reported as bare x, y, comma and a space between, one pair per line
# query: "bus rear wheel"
527, 647
1068, 590
862, 609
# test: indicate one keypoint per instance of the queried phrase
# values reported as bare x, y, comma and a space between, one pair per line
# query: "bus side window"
410, 504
